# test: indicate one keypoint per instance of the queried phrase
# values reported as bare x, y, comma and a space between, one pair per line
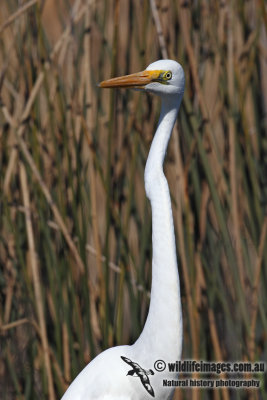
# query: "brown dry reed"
75, 226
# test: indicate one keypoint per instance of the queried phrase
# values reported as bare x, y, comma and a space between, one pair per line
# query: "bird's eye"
168, 75
164, 77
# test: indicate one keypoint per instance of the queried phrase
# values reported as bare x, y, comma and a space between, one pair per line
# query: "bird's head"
163, 77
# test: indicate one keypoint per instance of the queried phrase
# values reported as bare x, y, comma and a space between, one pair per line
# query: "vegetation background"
75, 227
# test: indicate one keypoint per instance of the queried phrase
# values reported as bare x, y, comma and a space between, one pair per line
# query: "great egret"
107, 377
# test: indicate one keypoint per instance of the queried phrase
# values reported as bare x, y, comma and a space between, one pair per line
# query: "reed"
75, 226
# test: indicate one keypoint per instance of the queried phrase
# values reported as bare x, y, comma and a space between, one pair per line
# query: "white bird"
106, 376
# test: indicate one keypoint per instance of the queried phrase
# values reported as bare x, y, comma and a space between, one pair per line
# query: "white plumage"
106, 377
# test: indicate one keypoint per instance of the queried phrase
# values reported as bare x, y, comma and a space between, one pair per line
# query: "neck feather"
162, 333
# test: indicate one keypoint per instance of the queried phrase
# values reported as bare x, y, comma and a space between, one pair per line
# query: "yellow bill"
137, 80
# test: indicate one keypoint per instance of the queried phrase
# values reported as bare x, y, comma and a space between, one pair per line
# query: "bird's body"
107, 377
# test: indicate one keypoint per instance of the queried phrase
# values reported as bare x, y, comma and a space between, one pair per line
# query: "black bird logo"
141, 373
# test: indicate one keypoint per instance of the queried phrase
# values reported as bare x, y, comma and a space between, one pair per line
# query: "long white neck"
162, 333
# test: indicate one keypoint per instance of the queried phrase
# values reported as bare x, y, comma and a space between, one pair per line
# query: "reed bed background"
75, 227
